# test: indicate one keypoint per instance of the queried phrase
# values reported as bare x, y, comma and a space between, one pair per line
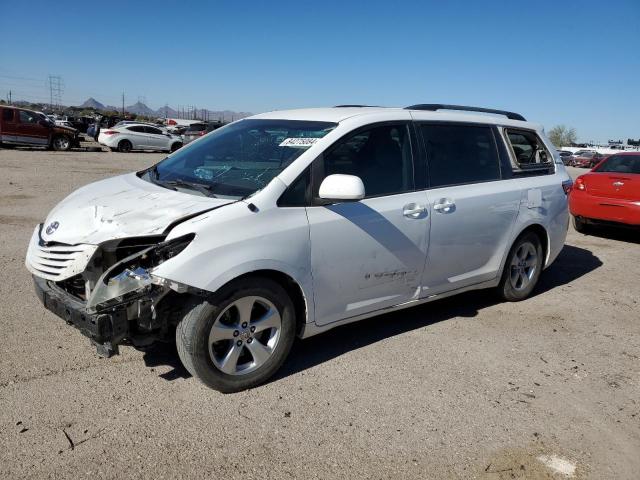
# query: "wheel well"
291, 287
541, 232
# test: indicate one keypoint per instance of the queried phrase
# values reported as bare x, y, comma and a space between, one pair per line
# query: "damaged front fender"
133, 276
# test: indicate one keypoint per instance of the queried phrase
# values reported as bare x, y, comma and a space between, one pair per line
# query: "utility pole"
55, 90
122, 104
9, 97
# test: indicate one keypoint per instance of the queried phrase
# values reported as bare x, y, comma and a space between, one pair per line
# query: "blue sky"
575, 62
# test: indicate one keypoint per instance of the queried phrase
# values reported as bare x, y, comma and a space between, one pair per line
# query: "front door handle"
445, 205
414, 210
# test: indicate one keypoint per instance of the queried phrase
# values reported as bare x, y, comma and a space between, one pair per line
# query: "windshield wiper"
204, 189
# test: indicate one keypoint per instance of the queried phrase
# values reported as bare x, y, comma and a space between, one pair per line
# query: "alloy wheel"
244, 336
523, 266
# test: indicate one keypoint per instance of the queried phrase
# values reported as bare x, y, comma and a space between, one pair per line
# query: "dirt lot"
461, 388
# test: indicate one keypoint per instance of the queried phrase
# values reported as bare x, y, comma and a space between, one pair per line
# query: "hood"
119, 207
63, 128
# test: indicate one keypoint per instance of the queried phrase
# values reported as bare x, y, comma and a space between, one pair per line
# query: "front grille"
57, 262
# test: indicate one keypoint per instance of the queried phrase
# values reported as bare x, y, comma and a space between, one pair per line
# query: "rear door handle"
445, 205
414, 210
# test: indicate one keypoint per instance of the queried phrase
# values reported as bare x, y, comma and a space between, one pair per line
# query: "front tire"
61, 143
239, 337
175, 146
125, 146
522, 269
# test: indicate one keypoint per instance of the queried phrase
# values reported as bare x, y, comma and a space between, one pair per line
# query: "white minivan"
290, 223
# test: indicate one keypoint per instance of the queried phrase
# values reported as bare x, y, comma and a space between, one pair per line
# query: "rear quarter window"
528, 152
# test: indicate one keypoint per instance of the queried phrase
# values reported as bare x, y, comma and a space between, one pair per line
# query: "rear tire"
61, 143
125, 146
580, 225
229, 350
522, 269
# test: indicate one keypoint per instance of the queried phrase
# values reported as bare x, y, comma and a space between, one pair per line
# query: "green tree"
562, 136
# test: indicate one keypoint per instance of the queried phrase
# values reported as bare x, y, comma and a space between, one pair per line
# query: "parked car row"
27, 127
129, 135
581, 158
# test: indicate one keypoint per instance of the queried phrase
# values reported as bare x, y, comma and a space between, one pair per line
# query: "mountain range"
140, 108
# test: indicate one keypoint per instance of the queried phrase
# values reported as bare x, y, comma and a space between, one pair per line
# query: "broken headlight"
132, 276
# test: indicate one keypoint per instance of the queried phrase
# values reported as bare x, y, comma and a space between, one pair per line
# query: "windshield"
620, 164
240, 159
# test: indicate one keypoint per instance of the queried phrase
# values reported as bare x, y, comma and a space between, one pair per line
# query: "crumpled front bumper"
106, 330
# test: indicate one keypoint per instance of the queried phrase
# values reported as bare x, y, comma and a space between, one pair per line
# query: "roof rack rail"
354, 106
440, 106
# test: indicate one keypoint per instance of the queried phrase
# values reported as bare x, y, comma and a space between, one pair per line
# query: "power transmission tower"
55, 90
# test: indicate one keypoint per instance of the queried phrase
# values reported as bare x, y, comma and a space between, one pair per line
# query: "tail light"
110, 132
567, 185
201, 133
580, 185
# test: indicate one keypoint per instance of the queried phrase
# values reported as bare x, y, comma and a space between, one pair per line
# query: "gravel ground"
460, 388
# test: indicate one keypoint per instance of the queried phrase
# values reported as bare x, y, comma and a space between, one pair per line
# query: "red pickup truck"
19, 126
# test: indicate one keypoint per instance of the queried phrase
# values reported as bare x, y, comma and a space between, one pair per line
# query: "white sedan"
129, 137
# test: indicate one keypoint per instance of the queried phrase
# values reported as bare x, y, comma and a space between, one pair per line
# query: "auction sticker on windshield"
298, 142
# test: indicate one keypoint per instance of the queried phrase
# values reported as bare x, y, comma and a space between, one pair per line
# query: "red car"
588, 160
610, 193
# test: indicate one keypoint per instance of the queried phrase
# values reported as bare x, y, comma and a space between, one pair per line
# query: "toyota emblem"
53, 226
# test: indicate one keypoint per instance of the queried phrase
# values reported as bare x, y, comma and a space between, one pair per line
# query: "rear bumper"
581, 204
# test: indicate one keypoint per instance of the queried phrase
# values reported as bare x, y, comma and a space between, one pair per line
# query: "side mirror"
44, 123
342, 188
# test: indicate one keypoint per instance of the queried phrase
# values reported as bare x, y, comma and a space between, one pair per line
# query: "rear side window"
528, 150
7, 114
197, 128
459, 154
137, 129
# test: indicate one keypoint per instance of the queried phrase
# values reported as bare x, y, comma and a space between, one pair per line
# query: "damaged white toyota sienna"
290, 223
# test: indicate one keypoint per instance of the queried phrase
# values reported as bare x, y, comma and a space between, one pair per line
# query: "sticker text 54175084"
298, 142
